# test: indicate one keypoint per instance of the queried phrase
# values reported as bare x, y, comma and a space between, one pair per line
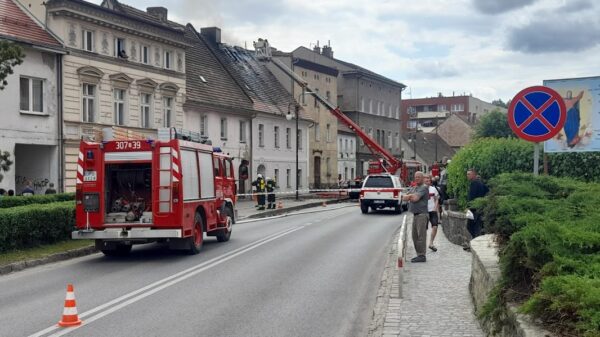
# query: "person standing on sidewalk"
417, 199
477, 189
260, 186
271, 193
432, 210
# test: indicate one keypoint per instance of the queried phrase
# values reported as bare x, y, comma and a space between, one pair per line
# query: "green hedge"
489, 156
550, 257
32, 225
7, 202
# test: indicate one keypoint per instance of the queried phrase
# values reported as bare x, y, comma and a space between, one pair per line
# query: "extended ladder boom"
390, 163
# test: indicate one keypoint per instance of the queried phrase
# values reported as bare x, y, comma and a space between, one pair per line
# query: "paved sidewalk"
246, 210
435, 297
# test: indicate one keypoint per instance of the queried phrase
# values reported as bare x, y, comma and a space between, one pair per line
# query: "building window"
288, 178
168, 60
299, 139
261, 135
328, 166
397, 112
276, 136
204, 125
328, 95
362, 142
457, 107
370, 106
146, 110
397, 140
145, 55
340, 149
32, 95
119, 106
276, 175
345, 145
89, 103
168, 111
242, 131
352, 173
299, 177
288, 138
371, 133
328, 134
442, 107
120, 48
317, 132
389, 140
362, 104
87, 41
223, 128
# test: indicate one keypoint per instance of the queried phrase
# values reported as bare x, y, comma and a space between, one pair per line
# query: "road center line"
150, 289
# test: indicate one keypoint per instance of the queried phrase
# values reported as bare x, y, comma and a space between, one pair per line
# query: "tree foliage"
5, 163
11, 55
500, 103
493, 124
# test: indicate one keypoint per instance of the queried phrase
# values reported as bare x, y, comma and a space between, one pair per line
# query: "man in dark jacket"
477, 189
270, 193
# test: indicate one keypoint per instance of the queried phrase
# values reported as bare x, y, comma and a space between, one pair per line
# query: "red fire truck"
169, 190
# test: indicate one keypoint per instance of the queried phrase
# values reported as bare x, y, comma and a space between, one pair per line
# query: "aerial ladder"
385, 161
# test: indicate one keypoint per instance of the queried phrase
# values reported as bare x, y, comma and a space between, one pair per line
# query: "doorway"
317, 173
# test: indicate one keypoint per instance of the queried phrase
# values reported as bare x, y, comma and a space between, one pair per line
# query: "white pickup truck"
380, 191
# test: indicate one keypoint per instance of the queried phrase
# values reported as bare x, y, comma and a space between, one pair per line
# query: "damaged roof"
426, 145
207, 80
256, 80
17, 25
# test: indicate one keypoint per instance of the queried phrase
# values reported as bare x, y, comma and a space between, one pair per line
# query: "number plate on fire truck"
90, 176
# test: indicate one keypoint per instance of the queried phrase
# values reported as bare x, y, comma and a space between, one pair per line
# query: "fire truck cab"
139, 191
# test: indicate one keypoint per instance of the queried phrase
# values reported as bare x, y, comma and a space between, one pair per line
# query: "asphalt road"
303, 275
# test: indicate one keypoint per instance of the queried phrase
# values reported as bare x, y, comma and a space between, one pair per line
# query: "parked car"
381, 191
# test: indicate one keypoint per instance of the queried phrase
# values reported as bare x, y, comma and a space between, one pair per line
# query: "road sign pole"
536, 159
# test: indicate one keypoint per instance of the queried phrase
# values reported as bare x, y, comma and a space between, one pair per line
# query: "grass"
42, 251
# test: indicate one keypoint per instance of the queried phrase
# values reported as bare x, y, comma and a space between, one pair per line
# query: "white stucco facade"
278, 161
28, 127
346, 145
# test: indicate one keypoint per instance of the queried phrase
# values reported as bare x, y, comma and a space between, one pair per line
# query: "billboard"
581, 132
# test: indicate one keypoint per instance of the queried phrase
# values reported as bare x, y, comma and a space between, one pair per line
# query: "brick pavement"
435, 296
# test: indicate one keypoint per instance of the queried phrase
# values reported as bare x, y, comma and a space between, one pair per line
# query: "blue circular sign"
537, 113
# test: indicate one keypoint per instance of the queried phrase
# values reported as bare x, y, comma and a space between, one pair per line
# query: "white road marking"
125, 300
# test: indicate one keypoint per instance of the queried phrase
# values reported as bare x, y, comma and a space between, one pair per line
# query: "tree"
500, 103
11, 55
5, 163
493, 124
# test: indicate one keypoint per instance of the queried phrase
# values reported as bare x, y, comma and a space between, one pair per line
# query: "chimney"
213, 34
158, 12
327, 51
317, 49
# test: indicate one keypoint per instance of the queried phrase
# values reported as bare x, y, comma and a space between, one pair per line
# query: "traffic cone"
279, 204
69, 317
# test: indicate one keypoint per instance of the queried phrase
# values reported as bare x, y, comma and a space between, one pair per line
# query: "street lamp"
289, 117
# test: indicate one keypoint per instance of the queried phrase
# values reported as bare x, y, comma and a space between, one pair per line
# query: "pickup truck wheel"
364, 208
196, 240
225, 233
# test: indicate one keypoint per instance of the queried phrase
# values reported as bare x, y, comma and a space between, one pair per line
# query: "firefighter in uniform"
260, 186
270, 193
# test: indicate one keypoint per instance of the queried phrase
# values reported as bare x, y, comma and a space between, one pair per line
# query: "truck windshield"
379, 182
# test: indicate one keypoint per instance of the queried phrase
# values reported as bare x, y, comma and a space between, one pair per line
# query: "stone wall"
485, 273
454, 225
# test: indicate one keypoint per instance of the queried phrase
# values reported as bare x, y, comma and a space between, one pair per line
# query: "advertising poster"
581, 132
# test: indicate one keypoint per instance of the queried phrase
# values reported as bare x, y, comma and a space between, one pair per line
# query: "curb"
67, 255
267, 214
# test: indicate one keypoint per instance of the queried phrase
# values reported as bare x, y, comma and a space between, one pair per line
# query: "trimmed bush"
7, 202
550, 257
32, 225
489, 156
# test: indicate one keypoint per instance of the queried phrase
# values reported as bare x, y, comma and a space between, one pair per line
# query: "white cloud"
471, 46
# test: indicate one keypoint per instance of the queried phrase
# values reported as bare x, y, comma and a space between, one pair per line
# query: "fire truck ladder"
389, 163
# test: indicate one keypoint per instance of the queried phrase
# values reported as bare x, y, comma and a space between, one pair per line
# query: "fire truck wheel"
117, 250
196, 240
225, 233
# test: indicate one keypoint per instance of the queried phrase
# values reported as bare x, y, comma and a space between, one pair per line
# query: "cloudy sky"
489, 48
